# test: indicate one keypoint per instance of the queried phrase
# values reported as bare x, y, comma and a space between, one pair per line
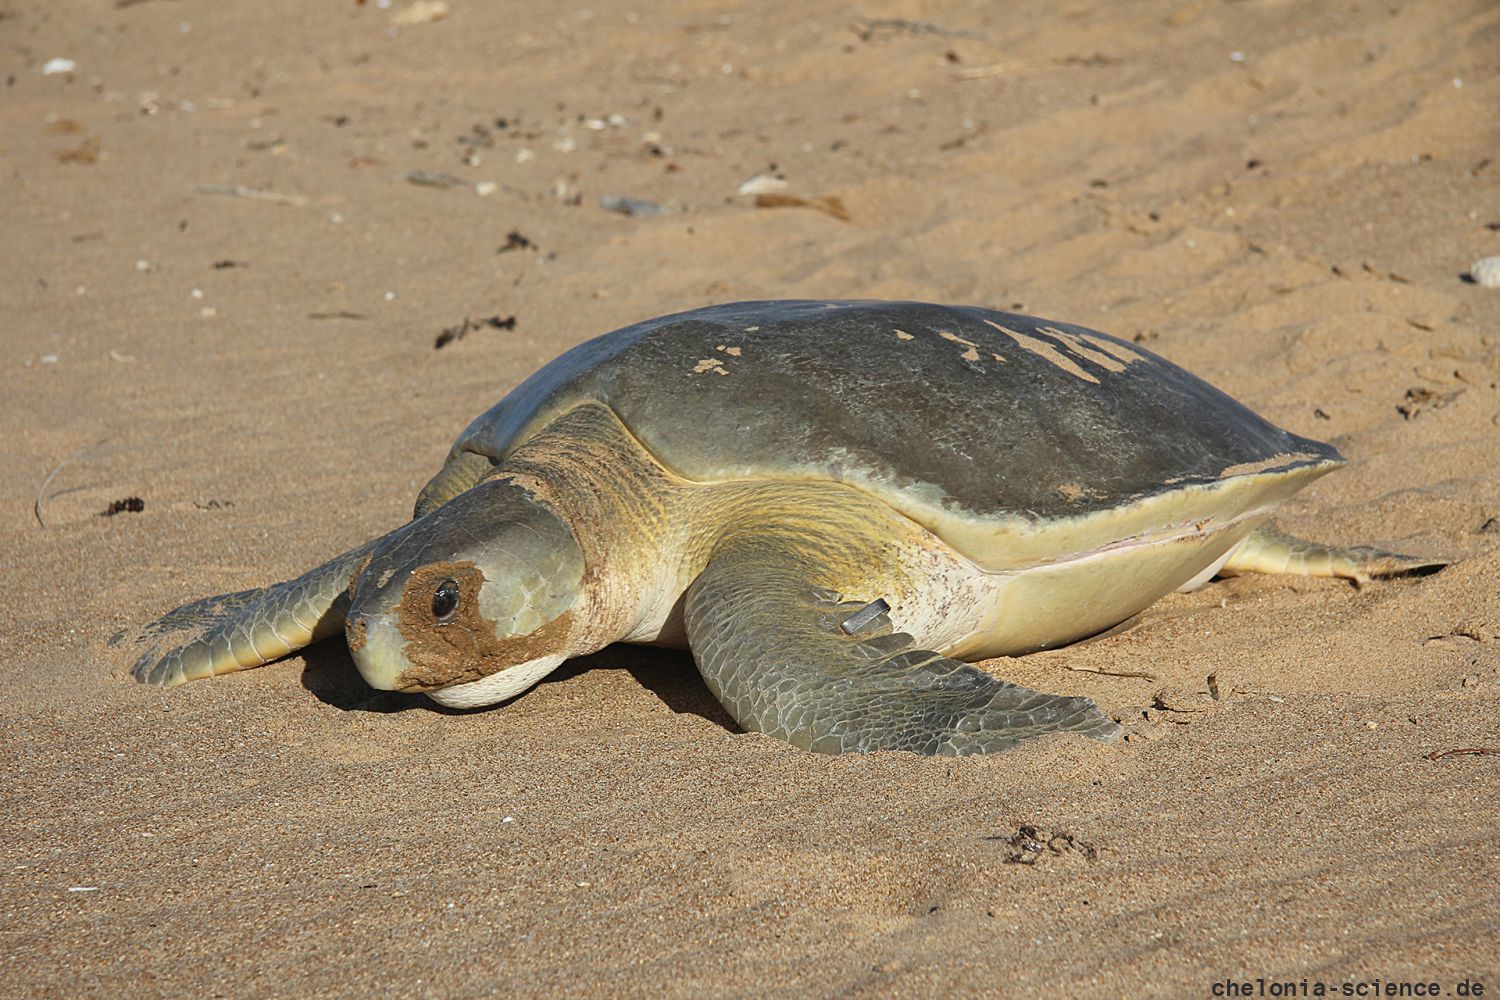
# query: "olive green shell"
944, 411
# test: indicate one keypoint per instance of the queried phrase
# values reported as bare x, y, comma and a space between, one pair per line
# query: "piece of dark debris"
478, 137
85, 152
130, 505
516, 240
1464, 752
434, 179
226, 264
1419, 398
1381, 272
889, 26
1093, 60
1028, 845
463, 329
212, 504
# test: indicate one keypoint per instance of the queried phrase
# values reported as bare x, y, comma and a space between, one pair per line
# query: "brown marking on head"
354, 631
354, 634
359, 571
464, 648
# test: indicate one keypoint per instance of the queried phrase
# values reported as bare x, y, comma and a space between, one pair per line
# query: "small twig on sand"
1464, 752
254, 194
985, 72
36, 507
1113, 673
869, 28
429, 178
1094, 61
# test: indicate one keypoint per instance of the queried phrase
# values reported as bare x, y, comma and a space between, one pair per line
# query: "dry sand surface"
1282, 197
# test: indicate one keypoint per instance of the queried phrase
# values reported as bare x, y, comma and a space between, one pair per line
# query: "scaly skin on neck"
646, 533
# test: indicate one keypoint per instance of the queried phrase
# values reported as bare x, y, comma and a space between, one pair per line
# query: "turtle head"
472, 603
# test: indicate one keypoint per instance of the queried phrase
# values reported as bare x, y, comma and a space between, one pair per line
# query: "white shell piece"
1486, 272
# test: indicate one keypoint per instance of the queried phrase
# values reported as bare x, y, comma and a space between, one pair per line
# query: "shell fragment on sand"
626, 205
1486, 272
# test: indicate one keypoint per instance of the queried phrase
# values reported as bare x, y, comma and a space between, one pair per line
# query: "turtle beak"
378, 650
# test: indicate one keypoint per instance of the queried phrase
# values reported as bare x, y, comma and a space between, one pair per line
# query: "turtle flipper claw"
202, 613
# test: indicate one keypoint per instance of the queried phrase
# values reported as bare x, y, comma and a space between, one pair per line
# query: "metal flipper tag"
865, 616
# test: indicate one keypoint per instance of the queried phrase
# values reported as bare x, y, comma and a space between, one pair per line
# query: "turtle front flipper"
218, 635
776, 652
1268, 549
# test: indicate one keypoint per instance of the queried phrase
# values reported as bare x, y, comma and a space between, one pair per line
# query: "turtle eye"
445, 601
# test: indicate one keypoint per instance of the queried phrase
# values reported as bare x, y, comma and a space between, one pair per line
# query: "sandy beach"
234, 235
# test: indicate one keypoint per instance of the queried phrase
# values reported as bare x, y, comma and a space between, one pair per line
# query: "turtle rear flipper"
774, 651
218, 635
1268, 549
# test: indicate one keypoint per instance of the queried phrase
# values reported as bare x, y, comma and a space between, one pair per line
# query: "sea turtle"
832, 504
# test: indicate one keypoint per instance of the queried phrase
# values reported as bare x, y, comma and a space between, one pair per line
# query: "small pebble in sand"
1486, 272
762, 184
58, 65
420, 12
